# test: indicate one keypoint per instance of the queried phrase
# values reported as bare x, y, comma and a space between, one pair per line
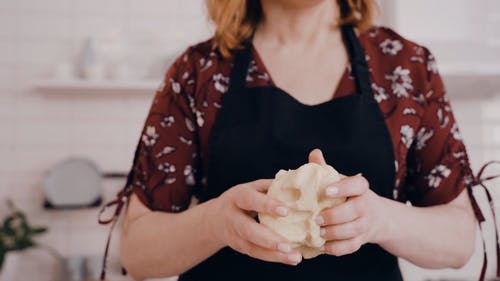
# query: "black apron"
260, 130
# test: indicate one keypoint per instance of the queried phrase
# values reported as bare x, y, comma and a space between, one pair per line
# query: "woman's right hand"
232, 224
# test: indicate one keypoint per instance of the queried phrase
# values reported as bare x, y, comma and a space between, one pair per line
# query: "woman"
279, 79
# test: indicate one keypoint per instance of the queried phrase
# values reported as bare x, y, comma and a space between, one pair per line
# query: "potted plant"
16, 233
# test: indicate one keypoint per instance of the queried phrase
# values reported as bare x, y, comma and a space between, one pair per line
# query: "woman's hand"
232, 223
361, 219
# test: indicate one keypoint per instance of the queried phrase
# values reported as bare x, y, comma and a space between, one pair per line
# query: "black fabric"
261, 130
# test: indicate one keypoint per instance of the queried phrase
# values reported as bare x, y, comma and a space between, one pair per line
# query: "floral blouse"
431, 162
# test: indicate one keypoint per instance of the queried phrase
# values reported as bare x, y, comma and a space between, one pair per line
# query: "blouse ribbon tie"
119, 201
480, 180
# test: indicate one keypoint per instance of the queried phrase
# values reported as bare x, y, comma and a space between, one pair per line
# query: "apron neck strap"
359, 66
239, 71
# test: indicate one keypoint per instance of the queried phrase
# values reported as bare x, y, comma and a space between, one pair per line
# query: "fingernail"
322, 232
332, 191
284, 247
282, 211
295, 258
320, 220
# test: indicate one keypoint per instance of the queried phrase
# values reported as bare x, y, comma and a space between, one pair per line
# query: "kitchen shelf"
469, 81
470, 69
75, 86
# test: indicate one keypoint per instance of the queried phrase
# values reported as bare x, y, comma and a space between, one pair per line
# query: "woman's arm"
433, 237
159, 244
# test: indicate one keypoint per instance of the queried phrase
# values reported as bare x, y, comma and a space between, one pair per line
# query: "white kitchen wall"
38, 130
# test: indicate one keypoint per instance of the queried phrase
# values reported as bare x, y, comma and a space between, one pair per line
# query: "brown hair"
235, 20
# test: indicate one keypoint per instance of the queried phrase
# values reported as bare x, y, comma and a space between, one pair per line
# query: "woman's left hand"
361, 219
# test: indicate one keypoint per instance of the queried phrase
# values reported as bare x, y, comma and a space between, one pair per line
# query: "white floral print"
418, 50
189, 124
167, 121
422, 137
221, 82
170, 180
429, 93
401, 81
189, 175
185, 140
205, 64
407, 135
264, 76
437, 174
417, 59
166, 167
391, 47
140, 184
409, 111
175, 208
455, 132
150, 136
176, 87
373, 33
200, 120
161, 87
420, 99
431, 64
443, 118
252, 68
254, 73
379, 93
165, 151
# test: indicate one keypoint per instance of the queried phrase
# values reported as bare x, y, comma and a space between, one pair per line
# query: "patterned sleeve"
162, 175
438, 165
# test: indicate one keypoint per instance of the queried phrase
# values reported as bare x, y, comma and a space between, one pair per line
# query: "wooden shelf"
53, 86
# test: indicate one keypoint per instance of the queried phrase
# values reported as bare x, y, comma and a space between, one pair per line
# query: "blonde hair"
235, 20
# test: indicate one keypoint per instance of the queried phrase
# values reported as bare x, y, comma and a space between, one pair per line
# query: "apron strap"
480, 180
241, 63
359, 66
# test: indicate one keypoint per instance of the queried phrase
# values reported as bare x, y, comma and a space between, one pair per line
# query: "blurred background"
76, 81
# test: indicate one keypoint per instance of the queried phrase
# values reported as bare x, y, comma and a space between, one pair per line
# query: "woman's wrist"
389, 213
209, 215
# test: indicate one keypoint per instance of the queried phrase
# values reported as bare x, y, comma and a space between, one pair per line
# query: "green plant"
16, 233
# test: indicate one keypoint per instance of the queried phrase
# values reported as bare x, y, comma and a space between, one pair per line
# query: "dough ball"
303, 191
